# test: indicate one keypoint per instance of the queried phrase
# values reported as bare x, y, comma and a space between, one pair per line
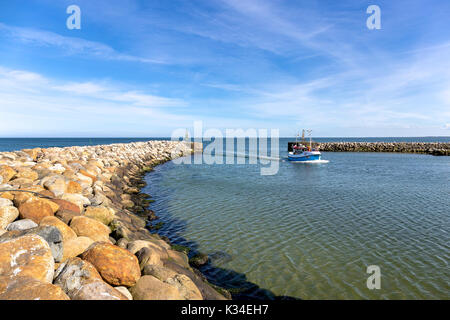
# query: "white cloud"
70, 45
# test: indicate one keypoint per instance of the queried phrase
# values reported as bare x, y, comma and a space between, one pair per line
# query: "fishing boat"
305, 154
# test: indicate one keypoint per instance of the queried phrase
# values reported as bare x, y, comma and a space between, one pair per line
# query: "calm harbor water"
310, 231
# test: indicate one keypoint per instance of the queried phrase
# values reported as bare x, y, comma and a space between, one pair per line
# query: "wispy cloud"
70, 45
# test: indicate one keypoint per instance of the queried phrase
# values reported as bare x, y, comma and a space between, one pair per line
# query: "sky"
145, 68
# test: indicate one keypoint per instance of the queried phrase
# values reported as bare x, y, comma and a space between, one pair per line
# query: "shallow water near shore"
310, 231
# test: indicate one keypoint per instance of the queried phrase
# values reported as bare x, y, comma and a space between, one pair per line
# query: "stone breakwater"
73, 226
433, 148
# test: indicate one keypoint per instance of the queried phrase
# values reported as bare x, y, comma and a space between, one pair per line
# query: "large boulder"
87, 227
117, 266
23, 224
28, 288
75, 247
150, 288
66, 232
50, 234
29, 255
81, 281
35, 210
103, 214
27, 173
7, 215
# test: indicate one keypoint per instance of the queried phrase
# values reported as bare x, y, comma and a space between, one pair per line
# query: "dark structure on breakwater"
433, 148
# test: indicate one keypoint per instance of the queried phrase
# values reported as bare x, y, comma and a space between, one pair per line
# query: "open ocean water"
310, 231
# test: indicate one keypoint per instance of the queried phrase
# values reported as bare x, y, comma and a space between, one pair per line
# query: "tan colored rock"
33, 153
7, 215
188, 290
29, 255
87, 174
73, 187
77, 199
125, 292
35, 210
52, 204
135, 246
57, 186
150, 288
7, 173
100, 213
117, 266
179, 257
87, 227
66, 232
27, 173
7, 195
75, 247
148, 256
27, 288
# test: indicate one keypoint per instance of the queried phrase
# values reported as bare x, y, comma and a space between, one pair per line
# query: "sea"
310, 231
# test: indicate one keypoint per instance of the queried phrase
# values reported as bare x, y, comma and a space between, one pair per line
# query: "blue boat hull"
304, 158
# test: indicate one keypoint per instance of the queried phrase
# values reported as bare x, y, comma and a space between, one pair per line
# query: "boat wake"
311, 161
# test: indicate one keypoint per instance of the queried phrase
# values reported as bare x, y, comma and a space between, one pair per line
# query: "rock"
98, 290
117, 266
75, 247
57, 186
66, 215
199, 260
73, 187
179, 257
23, 224
50, 234
7, 215
81, 281
66, 205
102, 214
208, 292
29, 255
66, 232
185, 286
77, 199
135, 246
150, 288
84, 226
122, 243
125, 292
52, 204
7, 173
5, 202
35, 210
27, 173
148, 256
28, 288
160, 272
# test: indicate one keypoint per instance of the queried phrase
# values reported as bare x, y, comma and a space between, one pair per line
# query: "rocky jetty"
73, 226
433, 148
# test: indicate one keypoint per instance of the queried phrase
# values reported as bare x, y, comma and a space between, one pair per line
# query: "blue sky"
145, 68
